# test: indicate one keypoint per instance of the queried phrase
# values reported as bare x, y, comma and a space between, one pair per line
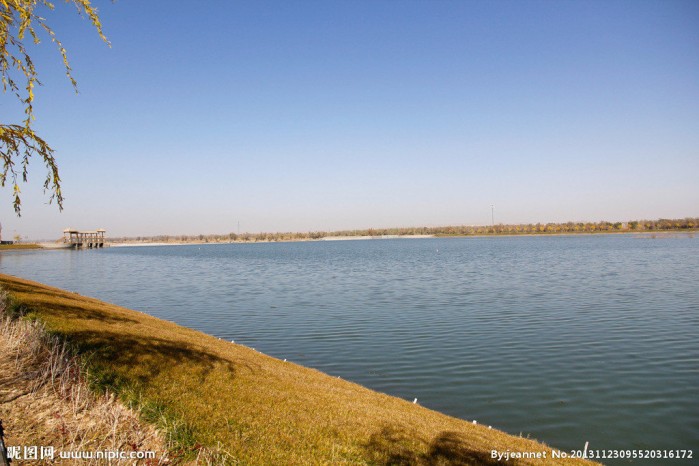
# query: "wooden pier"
84, 239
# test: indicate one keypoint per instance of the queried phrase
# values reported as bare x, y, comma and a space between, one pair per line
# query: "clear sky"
324, 115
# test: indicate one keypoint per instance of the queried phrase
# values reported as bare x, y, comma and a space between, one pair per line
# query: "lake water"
566, 339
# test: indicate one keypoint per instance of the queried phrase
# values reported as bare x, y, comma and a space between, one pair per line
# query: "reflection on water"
567, 339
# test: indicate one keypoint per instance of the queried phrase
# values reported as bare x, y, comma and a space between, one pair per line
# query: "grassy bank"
249, 408
19, 246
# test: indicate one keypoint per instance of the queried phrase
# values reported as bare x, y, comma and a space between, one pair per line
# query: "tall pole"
492, 214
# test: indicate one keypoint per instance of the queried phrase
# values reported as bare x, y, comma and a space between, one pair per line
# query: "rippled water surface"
567, 339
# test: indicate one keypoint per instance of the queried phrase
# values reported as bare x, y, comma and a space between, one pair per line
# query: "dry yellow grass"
250, 408
45, 400
20, 246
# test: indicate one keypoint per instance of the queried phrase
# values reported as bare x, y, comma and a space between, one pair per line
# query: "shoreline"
680, 233
250, 406
303, 240
662, 233
688, 233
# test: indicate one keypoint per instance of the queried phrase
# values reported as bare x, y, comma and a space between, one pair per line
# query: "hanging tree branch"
19, 142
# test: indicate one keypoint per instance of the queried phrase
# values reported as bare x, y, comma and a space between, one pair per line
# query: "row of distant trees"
462, 230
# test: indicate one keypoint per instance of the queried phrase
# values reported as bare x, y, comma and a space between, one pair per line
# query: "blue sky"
307, 115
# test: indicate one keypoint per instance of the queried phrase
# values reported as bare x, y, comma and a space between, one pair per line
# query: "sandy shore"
327, 238
352, 238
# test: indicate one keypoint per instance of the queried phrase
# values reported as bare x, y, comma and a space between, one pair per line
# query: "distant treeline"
500, 229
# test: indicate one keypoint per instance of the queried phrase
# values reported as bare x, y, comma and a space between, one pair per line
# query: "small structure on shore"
84, 239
